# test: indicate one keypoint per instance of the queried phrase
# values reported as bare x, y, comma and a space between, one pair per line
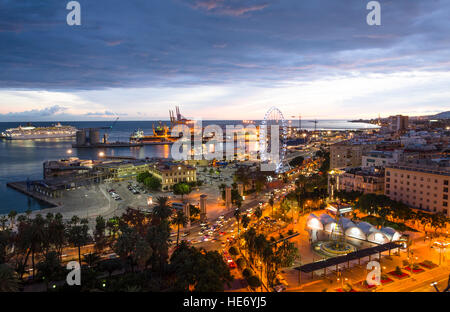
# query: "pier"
22, 188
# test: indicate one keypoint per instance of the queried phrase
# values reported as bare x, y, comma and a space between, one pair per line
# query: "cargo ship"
30, 132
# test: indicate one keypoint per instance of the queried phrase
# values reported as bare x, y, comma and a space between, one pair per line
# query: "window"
445, 204
445, 182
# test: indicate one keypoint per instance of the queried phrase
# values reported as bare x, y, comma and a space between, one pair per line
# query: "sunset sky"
222, 59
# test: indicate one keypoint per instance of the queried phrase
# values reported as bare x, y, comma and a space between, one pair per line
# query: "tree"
142, 176
12, 217
9, 281
110, 265
271, 203
91, 259
50, 268
245, 221
179, 220
100, 234
3, 221
5, 245
198, 270
37, 238
113, 226
152, 183
237, 215
78, 235
132, 247
297, 161
181, 189
258, 213
162, 211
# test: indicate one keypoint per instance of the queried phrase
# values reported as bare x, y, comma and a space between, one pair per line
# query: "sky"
222, 59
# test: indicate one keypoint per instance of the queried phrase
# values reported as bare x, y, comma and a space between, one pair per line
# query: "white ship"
32, 133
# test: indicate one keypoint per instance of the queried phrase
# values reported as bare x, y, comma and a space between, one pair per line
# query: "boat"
30, 132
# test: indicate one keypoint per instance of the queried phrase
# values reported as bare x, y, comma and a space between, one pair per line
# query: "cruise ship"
30, 132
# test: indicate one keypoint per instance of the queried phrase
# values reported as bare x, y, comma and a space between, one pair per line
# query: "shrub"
398, 271
253, 281
241, 263
247, 273
233, 251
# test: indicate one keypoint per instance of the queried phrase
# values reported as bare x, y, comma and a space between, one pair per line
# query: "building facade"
173, 173
398, 123
348, 154
380, 158
365, 180
419, 185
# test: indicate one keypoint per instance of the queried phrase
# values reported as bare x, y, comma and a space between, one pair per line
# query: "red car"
232, 265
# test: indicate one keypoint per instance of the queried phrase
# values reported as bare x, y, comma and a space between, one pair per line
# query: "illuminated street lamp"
69, 151
101, 154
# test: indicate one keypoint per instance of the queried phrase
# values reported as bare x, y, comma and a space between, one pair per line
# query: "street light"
434, 284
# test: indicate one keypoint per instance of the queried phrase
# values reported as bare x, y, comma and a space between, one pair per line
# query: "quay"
23, 188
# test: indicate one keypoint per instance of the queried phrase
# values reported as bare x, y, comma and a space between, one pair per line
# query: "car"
232, 265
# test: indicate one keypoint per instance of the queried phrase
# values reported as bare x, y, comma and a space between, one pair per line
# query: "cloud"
206, 42
224, 7
200, 45
106, 113
37, 113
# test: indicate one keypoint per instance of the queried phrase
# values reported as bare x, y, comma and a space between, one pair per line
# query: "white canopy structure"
392, 234
346, 223
314, 223
326, 219
361, 230
378, 237
355, 232
367, 228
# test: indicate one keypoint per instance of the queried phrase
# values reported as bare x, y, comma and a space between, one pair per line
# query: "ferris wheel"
274, 117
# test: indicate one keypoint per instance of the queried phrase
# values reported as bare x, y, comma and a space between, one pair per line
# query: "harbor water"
23, 159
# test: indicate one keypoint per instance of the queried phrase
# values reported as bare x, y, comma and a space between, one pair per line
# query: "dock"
107, 145
22, 188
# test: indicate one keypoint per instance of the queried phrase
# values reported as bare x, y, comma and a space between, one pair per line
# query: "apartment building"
365, 180
348, 154
398, 123
422, 184
380, 158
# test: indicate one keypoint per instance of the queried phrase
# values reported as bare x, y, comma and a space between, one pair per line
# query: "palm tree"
12, 217
78, 235
9, 282
258, 213
271, 203
3, 221
237, 215
179, 220
38, 238
162, 210
91, 259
